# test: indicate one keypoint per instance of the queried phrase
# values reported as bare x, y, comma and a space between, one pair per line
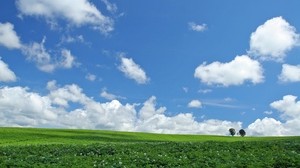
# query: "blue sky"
197, 67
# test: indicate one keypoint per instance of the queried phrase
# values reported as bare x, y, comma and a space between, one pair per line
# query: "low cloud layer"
21, 107
290, 119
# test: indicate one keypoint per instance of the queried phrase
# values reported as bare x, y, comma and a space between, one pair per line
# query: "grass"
36, 147
27, 136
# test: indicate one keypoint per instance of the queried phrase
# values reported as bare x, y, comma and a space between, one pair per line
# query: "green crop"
89, 148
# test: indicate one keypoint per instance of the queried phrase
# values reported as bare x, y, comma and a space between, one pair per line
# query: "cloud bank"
290, 116
21, 107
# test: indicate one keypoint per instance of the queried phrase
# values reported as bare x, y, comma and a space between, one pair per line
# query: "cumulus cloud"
288, 106
149, 109
133, 70
199, 28
6, 75
290, 73
37, 53
8, 36
153, 119
273, 39
290, 116
236, 72
195, 104
78, 13
266, 126
69, 107
21, 107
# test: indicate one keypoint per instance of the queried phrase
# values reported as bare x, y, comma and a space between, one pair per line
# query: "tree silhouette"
242, 132
232, 131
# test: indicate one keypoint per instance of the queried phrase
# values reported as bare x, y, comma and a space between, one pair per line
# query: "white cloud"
199, 28
78, 13
273, 39
266, 127
71, 39
69, 107
290, 109
185, 89
68, 60
152, 119
21, 107
268, 112
288, 106
6, 75
236, 72
111, 7
290, 73
51, 85
149, 110
8, 36
109, 96
204, 91
195, 104
90, 77
37, 53
133, 70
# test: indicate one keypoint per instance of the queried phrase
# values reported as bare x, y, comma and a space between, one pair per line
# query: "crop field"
30, 147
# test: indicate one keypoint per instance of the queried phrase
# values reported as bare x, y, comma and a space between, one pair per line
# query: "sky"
196, 67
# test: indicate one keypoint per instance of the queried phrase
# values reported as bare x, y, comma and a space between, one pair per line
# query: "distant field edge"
27, 136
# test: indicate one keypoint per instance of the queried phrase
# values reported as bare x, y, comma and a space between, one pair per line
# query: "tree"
232, 131
242, 132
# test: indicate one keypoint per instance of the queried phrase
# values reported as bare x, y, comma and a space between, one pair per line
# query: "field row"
155, 154
34, 136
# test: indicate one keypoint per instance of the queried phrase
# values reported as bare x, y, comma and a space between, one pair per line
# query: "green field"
31, 147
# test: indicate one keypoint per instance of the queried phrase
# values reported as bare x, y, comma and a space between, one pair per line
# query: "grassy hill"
25, 136
33, 147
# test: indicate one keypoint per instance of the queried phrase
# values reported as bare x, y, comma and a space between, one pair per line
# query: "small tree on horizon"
242, 132
232, 131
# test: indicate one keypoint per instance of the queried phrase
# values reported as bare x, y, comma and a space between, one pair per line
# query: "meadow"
32, 147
